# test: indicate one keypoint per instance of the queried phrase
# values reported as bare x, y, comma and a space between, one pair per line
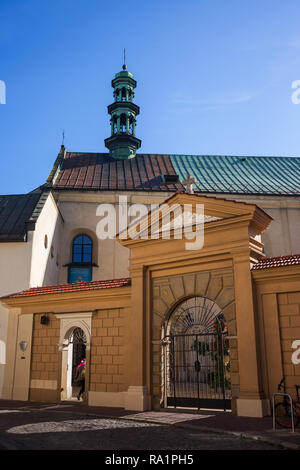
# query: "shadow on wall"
49, 269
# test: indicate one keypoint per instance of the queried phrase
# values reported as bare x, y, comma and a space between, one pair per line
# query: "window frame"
82, 254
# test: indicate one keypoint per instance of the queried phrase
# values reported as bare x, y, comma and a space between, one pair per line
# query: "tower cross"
124, 65
189, 182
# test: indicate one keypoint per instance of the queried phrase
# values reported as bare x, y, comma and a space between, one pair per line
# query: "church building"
159, 325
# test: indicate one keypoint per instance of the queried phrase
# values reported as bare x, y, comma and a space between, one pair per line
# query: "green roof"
240, 174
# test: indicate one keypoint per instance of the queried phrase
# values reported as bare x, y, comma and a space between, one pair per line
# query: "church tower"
123, 143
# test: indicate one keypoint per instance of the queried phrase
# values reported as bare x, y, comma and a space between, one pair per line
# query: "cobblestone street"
53, 429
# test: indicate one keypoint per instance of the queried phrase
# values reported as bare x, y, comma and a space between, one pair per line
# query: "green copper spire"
122, 143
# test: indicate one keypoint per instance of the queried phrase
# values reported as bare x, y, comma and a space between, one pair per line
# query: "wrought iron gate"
196, 371
196, 356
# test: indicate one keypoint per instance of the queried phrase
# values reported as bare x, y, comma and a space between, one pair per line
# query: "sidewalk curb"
241, 435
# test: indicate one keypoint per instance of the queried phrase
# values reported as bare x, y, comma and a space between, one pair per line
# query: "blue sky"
214, 77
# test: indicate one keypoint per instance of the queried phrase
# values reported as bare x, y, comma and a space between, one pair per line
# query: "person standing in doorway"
80, 377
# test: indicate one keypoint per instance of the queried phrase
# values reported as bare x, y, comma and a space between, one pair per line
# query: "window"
82, 249
82, 256
170, 179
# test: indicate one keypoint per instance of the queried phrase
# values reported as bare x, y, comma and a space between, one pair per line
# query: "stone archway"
170, 291
196, 356
74, 352
70, 323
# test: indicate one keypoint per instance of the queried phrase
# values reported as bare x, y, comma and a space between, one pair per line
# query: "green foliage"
218, 349
216, 379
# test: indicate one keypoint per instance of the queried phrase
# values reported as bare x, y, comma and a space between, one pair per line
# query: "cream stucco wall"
45, 260
282, 236
14, 276
29, 264
79, 213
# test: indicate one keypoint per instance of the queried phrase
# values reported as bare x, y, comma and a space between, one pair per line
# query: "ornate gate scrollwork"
196, 365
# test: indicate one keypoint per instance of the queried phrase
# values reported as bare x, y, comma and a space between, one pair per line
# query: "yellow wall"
278, 299
44, 359
107, 351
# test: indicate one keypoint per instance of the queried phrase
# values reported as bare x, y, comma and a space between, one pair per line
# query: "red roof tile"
277, 262
75, 287
101, 171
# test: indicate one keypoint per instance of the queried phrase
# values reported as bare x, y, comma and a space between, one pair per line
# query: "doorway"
73, 353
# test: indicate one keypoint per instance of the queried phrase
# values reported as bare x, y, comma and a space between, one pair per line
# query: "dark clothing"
81, 383
80, 377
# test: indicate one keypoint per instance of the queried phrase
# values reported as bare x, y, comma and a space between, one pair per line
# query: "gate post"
251, 401
137, 393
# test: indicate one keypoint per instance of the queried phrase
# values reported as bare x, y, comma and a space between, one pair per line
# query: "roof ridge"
273, 258
190, 155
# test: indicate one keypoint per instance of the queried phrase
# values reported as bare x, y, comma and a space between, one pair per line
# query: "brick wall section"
45, 353
289, 318
107, 351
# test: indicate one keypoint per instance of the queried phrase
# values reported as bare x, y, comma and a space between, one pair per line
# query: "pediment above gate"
189, 210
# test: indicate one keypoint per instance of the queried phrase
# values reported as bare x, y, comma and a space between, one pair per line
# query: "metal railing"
292, 413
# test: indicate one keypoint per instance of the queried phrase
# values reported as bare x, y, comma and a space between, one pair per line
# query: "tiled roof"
214, 174
18, 213
243, 175
277, 262
75, 287
100, 171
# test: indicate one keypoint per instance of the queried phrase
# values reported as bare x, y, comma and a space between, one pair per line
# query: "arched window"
123, 123
80, 269
115, 126
82, 249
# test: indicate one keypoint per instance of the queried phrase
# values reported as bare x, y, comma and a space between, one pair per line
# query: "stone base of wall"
110, 399
44, 395
135, 399
253, 408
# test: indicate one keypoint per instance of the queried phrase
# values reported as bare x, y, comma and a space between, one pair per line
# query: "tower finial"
122, 142
124, 65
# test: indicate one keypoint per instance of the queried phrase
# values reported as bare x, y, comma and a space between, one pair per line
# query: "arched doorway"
196, 356
74, 351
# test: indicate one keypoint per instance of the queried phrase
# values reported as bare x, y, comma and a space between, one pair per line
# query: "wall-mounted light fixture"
45, 320
23, 346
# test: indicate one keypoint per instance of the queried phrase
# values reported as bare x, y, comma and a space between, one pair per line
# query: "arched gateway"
195, 359
74, 352
74, 345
